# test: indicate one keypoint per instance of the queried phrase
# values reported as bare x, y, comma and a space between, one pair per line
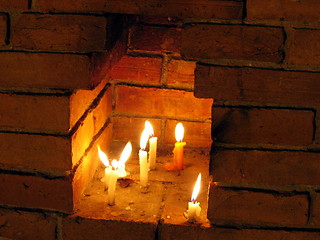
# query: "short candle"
178, 152
143, 159
104, 159
152, 146
194, 209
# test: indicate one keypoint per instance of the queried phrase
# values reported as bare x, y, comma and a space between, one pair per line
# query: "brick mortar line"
164, 71
286, 190
144, 85
35, 92
276, 227
267, 147
253, 23
197, 120
257, 105
58, 230
312, 198
88, 54
135, 52
258, 64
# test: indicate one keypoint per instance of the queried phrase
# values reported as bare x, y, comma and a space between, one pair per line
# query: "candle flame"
149, 128
196, 189
103, 157
179, 132
144, 139
125, 154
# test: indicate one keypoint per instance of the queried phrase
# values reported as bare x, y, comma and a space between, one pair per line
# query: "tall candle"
178, 152
112, 184
143, 159
152, 146
104, 159
194, 209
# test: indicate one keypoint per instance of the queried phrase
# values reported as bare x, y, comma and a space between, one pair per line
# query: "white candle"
143, 159
194, 209
152, 145
113, 176
104, 159
153, 152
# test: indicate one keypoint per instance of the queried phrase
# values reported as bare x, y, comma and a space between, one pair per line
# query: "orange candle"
178, 152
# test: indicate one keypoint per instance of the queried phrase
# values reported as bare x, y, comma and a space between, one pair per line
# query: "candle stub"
153, 141
194, 209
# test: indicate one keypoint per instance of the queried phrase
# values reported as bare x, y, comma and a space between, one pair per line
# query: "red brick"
300, 51
13, 4
263, 126
161, 39
278, 168
122, 128
22, 225
156, 20
181, 73
256, 207
287, 10
45, 113
200, 9
3, 29
196, 134
140, 69
59, 32
53, 153
36, 192
161, 102
169, 232
258, 85
76, 228
232, 42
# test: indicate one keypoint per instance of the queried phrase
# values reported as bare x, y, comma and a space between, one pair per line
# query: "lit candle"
143, 159
113, 177
152, 146
104, 159
178, 148
194, 209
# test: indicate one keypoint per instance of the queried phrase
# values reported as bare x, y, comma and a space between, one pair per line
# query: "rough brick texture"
161, 102
283, 10
181, 73
75, 228
13, 4
36, 192
232, 42
3, 29
141, 69
196, 134
257, 85
22, 225
278, 168
59, 32
205, 9
256, 207
170, 232
152, 38
300, 52
122, 128
53, 153
262, 126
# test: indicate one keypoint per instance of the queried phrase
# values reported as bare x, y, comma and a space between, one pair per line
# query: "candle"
143, 159
104, 159
178, 162
152, 146
194, 209
113, 176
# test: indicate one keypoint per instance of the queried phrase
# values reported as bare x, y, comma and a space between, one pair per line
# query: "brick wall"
69, 85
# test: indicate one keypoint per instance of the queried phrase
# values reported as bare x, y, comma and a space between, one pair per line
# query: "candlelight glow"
115, 164
149, 128
125, 154
196, 189
144, 139
103, 157
179, 132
